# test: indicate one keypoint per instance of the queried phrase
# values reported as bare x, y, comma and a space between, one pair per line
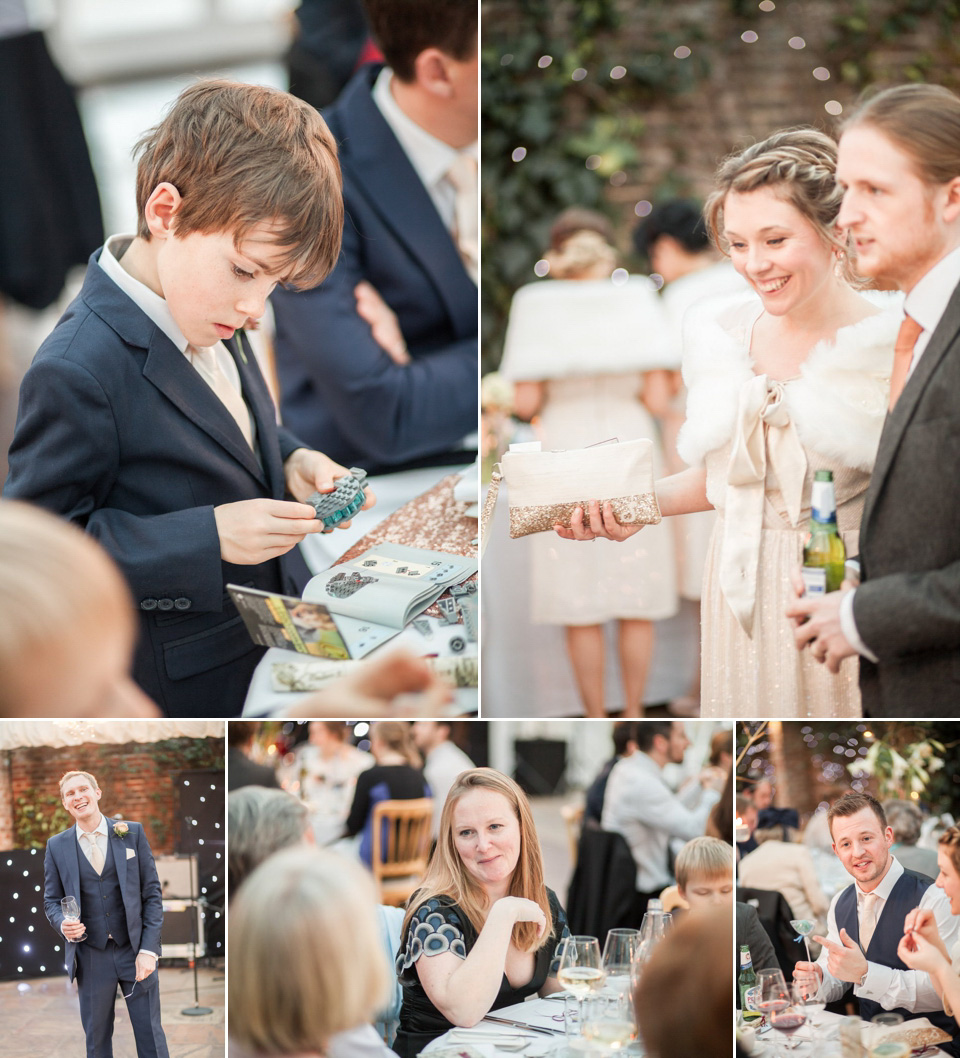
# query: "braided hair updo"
800, 166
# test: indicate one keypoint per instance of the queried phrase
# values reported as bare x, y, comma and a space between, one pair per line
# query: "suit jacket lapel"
119, 848
168, 369
381, 168
899, 419
264, 411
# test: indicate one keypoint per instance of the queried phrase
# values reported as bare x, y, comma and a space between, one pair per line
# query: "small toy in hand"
343, 503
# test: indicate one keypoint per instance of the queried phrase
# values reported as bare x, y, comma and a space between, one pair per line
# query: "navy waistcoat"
905, 896
101, 902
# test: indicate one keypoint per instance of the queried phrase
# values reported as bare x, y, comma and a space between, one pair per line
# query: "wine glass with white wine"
605, 1023
71, 912
581, 968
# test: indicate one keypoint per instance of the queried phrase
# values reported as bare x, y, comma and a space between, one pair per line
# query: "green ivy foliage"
579, 126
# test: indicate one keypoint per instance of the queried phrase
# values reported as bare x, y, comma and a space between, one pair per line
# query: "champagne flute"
604, 1023
71, 912
581, 969
789, 1017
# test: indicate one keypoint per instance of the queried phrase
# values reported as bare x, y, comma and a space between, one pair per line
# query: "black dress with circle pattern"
439, 925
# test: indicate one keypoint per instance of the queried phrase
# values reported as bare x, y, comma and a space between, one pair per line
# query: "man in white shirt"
381, 359
443, 761
865, 921
640, 805
107, 866
899, 165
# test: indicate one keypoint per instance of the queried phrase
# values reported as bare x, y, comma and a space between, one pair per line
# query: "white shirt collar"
890, 879
430, 157
927, 302
100, 829
141, 295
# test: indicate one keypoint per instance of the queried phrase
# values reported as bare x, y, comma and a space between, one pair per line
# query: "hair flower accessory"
121, 829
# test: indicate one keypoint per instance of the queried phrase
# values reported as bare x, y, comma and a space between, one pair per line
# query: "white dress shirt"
640, 805
102, 838
158, 310
430, 157
910, 989
926, 303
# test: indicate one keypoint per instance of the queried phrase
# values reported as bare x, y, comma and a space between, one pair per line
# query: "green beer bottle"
746, 981
823, 553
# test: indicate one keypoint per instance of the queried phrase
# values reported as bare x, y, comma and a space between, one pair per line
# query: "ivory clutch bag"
545, 488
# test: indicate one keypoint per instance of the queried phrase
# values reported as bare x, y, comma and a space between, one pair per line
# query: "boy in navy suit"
107, 866
144, 417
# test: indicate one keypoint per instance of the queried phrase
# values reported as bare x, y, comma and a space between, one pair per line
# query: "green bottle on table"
823, 553
746, 981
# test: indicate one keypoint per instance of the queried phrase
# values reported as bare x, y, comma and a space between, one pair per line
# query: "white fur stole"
838, 403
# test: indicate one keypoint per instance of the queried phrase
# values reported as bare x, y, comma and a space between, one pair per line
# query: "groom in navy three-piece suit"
108, 867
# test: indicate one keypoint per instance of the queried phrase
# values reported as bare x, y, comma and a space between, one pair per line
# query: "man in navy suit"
144, 417
865, 923
107, 866
378, 366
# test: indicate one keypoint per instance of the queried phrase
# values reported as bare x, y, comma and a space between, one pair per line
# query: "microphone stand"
196, 1010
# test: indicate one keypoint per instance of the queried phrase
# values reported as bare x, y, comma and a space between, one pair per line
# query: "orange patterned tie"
907, 337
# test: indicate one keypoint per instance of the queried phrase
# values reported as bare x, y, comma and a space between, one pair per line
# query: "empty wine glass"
581, 969
71, 912
619, 955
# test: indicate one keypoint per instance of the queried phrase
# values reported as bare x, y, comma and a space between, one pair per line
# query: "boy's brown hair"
405, 28
241, 155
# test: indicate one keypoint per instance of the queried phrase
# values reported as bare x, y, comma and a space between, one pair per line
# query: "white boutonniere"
121, 829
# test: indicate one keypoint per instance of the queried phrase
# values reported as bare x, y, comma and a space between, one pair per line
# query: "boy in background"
144, 417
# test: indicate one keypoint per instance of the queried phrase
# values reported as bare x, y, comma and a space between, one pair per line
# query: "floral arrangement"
902, 772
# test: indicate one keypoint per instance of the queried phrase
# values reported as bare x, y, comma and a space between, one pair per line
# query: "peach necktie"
466, 231
205, 362
96, 856
907, 337
868, 919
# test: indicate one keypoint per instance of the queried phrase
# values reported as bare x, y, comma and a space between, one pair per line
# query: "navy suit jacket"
341, 392
139, 886
118, 433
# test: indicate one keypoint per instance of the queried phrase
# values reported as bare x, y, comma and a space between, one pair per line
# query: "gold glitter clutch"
545, 488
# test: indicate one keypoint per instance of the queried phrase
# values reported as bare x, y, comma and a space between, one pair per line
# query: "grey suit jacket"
908, 607
139, 885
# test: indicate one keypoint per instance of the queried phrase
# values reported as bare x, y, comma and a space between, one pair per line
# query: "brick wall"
133, 782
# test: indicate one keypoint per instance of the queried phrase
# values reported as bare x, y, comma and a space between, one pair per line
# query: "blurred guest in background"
380, 362
306, 959
780, 863
396, 776
695, 953
720, 823
624, 744
721, 749
584, 395
481, 931
905, 820
66, 622
443, 761
641, 806
747, 814
260, 822
241, 769
328, 766
331, 41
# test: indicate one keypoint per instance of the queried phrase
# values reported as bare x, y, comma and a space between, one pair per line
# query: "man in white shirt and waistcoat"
865, 923
107, 866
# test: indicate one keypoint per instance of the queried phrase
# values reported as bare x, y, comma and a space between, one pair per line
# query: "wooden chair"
572, 815
401, 847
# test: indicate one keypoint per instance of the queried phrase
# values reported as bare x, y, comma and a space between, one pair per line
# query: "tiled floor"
44, 1018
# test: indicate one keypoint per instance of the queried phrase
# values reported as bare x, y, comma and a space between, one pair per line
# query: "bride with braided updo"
783, 381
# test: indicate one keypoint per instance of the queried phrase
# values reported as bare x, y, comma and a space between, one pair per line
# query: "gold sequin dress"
761, 442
